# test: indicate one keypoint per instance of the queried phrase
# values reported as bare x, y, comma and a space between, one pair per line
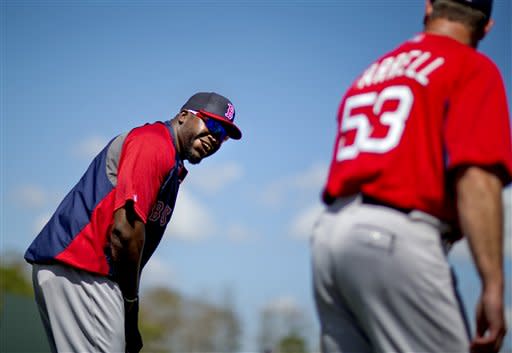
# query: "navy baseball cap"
483, 5
216, 107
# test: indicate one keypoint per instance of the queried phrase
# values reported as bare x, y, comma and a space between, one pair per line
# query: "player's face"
201, 138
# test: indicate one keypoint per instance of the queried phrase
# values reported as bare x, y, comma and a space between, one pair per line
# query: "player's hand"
133, 337
490, 323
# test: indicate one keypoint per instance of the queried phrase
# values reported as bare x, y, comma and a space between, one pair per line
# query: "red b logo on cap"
230, 112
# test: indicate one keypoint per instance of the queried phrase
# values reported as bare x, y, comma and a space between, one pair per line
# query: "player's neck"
452, 29
177, 142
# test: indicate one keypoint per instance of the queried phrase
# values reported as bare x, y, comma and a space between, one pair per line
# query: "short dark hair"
455, 11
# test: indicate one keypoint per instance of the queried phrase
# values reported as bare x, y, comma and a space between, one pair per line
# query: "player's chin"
195, 155
194, 158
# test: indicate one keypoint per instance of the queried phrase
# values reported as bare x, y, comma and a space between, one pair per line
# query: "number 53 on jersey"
355, 116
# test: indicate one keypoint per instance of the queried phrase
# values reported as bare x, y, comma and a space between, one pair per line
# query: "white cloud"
307, 185
89, 147
313, 178
309, 180
215, 177
238, 232
40, 200
158, 273
302, 225
191, 220
282, 304
32, 196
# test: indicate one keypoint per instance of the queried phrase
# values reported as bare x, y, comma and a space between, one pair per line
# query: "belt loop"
447, 244
446, 231
342, 202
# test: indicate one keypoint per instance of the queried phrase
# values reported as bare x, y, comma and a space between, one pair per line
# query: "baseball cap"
217, 107
483, 5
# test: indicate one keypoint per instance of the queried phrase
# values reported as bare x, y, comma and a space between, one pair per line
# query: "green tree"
170, 322
13, 279
283, 327
292, 343
160, 317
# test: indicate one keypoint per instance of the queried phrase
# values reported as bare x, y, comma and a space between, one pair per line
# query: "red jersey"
141, 166
420, 111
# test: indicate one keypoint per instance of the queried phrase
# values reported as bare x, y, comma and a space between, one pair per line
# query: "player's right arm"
480, 212
479, 154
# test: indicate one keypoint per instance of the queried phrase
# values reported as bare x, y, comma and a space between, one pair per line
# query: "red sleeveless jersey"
141, 166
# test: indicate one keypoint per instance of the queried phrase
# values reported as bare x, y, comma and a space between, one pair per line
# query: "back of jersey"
414, 115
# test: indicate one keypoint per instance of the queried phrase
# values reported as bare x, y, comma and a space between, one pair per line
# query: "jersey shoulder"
480, 61
157, 130
154, 136
460, 54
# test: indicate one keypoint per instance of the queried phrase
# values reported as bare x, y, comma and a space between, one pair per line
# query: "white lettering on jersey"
422, 75
414, 64
360, 122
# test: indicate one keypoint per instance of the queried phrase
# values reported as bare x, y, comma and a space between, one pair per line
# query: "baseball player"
422, 152
88, 258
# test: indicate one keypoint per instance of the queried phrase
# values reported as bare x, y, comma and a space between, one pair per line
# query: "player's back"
409, 118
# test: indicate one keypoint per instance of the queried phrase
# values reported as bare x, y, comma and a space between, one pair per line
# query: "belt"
448, 236
373, 201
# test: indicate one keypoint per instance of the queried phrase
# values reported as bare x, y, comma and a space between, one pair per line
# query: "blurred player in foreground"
88, 258
422, 153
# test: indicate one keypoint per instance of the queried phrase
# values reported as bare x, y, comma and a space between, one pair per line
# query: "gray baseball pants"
81, 312
382, 282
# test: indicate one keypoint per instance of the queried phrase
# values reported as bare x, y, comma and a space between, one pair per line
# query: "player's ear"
488, 26
482, 32
182, 116
428, 8
428, 11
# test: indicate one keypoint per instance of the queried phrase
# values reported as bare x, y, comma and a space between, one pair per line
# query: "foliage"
283, 329
292, 344
13, 278
14, 281
158, 318
172, 323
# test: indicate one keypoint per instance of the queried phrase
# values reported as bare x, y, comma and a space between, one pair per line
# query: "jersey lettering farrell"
415, 64
388, 113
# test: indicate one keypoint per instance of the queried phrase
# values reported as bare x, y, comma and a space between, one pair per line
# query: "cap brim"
232, 130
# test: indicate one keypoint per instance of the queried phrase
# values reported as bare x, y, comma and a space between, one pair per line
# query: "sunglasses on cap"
215, 127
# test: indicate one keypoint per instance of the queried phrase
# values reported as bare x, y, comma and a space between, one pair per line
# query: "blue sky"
76, 73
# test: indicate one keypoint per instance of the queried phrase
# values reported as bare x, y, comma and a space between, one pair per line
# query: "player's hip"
354, 212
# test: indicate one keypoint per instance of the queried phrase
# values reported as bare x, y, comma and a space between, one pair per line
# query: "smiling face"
194, 140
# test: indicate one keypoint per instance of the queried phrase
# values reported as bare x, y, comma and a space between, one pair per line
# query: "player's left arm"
127, 242
479, 193
142, 168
